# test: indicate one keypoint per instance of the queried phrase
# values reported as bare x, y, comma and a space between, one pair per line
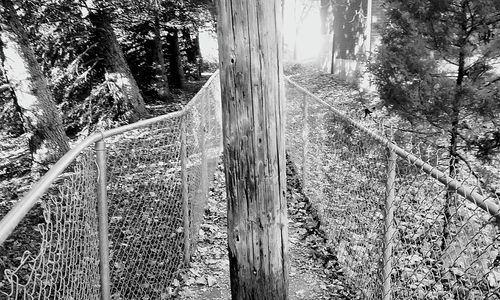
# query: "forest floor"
314, 272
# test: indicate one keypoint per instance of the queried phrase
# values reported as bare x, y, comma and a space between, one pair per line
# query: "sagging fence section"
149, 181
402, 229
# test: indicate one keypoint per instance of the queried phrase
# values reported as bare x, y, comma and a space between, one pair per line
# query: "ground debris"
314, 270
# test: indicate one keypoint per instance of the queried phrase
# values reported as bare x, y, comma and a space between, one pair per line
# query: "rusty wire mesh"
437, 244
157, 181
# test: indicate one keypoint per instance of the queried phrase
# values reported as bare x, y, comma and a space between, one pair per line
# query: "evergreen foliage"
438, 67
64, 40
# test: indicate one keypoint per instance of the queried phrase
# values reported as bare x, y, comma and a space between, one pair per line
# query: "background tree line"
67, 66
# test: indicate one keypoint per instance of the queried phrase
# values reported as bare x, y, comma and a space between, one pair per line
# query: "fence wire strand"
437, 244
148, 240
67, 265
145, 210
398, 232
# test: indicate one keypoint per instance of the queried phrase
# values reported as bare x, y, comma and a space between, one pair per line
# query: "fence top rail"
486, 203
21, 208
10, 221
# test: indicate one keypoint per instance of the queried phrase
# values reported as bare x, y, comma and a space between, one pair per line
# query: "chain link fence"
157, 172
67, 265
402, 229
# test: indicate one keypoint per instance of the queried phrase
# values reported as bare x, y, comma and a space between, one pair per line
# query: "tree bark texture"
253, 98
450, 205
325, 55
348, 25
117, 69
41, 119
161, 77
193, 53
175, 63
199, 57
341, 28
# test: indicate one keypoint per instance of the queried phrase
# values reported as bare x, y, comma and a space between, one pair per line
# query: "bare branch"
491, 82
469, 166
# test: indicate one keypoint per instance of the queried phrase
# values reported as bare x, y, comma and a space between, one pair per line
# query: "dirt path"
314, 273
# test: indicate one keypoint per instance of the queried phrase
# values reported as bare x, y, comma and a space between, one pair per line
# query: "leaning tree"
117, 71
41, 118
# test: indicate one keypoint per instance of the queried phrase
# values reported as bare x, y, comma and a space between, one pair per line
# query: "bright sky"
308, 39
309, 33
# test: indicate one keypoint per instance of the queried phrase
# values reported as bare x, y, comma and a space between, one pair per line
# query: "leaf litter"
314, 270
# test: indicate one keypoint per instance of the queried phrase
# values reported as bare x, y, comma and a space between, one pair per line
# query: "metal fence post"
389, 224
185, 198
305, 133
102, 211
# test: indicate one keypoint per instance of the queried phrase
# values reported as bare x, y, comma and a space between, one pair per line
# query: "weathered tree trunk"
296, 45
193, 53
250, 53
199, 58
341, 28
296, 36
333, 53
116, 66
325, 55
450, 205
175, 63
161, 77
368, 28
41, 119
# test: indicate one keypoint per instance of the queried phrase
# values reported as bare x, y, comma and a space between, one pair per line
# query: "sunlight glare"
306, 33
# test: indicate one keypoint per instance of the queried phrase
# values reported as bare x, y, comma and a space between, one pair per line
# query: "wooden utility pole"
250, 52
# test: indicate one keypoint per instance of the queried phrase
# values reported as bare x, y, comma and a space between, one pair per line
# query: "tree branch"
448, 60
469, 166
492, 81
481, 182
